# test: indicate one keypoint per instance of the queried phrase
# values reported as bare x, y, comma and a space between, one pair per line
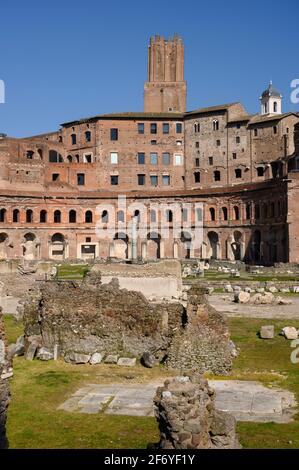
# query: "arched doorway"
236, 246
214, 245
256, 245
3, 245
30, 247
153, 245
186, 240
121, 243
57, 246
272, 245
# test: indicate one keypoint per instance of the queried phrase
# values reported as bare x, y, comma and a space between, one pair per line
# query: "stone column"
144, 250
134, 239
111, 249
175, 249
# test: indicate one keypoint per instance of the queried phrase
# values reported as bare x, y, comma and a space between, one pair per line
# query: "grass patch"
72, 271
13, 328
267, 361
38, 388
248, 277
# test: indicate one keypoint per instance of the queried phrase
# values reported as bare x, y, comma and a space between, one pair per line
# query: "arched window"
69, 158
247, 211
137, 215
57, 217
224, 213
105, 217
217, 175
87, 136
272, 209
88, 217
43, 216
257, 212
275, 107
169, 216
197, 177
274, 129
153, 216
236, 213
77, 158
196, 127
185, 214
29, 216
40, 153
215, 125
16, 215
212, 214
120, 216
199, 214
73, 139
55, 157
265, 211
3, 215
72, 217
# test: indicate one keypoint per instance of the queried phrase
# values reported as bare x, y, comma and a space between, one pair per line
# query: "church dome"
271, 91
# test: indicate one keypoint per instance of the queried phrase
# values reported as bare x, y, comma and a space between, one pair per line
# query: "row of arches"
53, 156
266, 210
43, 216
258, 246
257, 211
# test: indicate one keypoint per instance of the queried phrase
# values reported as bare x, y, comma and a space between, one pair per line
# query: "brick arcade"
243, 168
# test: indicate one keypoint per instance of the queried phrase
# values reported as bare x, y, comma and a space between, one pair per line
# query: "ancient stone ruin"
83, 318
5, 373
187, 418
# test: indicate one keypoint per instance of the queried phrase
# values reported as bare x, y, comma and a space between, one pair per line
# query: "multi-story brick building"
243, 168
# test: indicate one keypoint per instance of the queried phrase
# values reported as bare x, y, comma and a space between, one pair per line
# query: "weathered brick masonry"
55, 188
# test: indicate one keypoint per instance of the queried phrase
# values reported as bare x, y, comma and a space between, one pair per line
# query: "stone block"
30, 353
126, 361
242, 297
44, 354
111, 359
96, 358
267, 332
148, 359
56, 352
290, 332
77, 358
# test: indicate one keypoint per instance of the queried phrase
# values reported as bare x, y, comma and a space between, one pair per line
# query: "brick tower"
165, 90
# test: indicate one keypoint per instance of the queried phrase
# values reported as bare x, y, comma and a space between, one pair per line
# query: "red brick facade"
243, 169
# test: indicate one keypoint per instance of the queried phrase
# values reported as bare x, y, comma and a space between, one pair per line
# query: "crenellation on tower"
165, 89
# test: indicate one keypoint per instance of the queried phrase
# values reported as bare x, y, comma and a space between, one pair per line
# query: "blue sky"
62, 60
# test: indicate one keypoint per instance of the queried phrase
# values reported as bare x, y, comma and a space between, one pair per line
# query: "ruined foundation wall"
91, 317
4, 388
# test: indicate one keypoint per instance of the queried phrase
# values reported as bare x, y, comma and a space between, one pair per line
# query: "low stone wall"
150, 287
205, 341
162, 279
187, 418
5, 372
